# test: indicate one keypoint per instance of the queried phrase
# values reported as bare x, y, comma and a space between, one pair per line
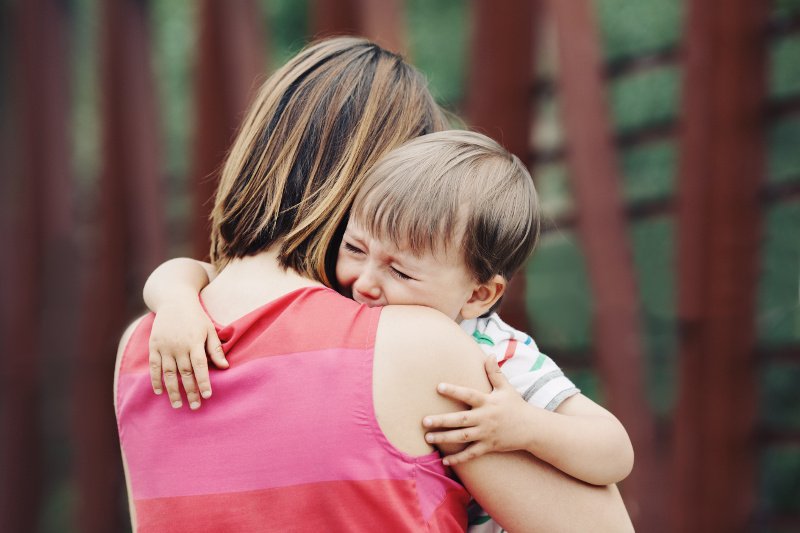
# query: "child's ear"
484, 296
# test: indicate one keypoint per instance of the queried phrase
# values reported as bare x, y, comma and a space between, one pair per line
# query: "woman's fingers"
170, 370
184, 363
462, 394
155, 371
470, 452
200, 369
451, 420
214, 349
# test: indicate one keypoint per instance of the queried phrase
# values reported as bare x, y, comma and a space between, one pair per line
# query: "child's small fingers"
451, 420
155, 371
463, 394
455, 436
170, 370
214, 349
187, 378
467, 454
200, 368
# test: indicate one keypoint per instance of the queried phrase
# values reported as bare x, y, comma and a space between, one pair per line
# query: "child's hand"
496, 422
182, 334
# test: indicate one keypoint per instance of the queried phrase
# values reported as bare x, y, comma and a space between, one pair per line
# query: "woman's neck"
248, 283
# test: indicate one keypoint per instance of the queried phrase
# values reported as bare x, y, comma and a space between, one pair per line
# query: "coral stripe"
511, 349
351, 505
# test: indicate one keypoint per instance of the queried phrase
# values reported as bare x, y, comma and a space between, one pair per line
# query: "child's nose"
367, 285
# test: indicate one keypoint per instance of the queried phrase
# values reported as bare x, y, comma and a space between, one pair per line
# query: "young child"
444, 221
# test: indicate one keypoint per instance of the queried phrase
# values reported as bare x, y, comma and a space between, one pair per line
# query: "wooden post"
36, 213
719, 230
128, 243
334, 17
594, 171
499, 97
231, 62
381, 21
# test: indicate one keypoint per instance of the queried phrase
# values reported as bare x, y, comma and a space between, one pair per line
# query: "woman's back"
290, 440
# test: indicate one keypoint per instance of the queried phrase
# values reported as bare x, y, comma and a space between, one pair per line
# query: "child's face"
374, 272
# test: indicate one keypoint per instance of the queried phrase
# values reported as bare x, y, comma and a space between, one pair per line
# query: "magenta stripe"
247, 437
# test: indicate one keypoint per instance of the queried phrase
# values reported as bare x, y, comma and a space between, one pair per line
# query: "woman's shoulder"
416, 348
429, 332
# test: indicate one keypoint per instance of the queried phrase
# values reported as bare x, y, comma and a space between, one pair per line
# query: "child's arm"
580, 438
182, 333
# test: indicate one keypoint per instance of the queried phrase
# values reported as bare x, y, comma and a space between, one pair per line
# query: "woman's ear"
483, 297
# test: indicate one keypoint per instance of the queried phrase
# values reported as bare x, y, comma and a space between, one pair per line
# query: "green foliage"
784, 9
59, 508
85, 135
644, 99
553, 188
783, 156
649, 171
779, 404
558, 294
653, 255
636, 27
780, 480
437, 35
588, 382
785, 67
287, 25
174, 43
548, 133
779, 286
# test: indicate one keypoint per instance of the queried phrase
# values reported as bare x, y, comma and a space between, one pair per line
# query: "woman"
316, 425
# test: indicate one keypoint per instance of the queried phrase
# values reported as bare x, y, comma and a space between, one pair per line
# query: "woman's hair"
453, 189
315, 127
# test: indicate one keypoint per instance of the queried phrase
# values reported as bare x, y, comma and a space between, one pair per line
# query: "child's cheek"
344, 273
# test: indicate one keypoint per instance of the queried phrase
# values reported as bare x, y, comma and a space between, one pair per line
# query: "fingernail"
176, 404
158, 391
441, 387
427, 421
429, 437
206, 394
446, 462
194, 405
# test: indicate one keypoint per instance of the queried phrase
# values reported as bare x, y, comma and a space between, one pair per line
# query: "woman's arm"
518, 490
182, 332
524, 494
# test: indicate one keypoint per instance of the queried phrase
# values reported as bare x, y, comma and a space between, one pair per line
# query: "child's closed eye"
396, 273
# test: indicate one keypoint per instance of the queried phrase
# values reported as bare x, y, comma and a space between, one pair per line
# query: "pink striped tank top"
289, 442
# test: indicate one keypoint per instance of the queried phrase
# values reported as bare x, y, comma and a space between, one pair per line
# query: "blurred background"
664, 140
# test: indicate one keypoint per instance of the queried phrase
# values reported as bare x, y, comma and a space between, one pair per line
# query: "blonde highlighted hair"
315, 127
453, 189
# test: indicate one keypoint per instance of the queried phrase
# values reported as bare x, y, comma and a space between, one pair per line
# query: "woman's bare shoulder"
416, 348
426, 338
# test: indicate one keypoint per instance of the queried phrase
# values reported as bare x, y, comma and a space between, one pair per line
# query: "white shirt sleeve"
534, 375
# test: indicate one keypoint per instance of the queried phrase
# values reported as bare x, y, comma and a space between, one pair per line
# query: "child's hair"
315, 127
453, 188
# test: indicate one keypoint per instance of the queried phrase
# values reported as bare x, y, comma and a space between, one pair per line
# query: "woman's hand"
497, 422
181, 337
